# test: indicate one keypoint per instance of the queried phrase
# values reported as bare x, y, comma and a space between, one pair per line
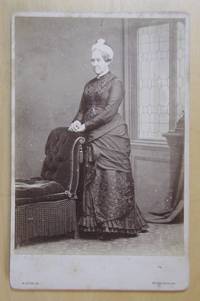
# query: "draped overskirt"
108, 203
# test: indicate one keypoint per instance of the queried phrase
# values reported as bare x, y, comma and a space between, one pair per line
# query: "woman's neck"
103, 73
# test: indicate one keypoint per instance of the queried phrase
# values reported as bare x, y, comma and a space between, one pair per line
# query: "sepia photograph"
100, 122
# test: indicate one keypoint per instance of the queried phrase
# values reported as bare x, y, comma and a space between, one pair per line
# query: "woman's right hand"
74, 126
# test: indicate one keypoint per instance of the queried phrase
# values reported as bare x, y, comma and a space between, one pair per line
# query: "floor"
160, 240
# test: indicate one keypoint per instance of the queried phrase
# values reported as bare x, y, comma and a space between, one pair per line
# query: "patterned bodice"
96, 94
100, 102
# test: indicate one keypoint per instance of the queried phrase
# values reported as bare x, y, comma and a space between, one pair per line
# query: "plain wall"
52, 65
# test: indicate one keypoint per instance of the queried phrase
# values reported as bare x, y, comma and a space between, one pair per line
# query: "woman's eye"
95, 60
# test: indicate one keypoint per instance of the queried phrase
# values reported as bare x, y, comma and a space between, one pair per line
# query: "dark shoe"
88, 235
107, 236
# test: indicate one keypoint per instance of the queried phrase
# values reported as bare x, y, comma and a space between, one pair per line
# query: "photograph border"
70, 271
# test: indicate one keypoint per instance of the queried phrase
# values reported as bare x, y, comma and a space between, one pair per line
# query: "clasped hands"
76, 126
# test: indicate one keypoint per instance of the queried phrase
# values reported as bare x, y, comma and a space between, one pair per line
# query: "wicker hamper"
45, 207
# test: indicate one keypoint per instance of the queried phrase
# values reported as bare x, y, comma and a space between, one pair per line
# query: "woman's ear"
108, 63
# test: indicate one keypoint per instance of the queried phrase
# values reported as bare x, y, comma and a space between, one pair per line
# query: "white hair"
106, 51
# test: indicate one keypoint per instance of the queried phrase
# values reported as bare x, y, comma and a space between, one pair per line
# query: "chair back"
63, 152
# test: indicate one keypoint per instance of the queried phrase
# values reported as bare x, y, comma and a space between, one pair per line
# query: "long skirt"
108, 203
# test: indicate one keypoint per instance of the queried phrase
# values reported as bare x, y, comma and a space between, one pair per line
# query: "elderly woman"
108, 207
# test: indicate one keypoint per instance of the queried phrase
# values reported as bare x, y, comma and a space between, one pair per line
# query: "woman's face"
98, 63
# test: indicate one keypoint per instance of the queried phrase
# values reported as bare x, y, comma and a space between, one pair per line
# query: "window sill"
150, 143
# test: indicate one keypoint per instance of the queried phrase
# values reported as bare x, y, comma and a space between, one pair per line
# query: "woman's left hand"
81, 128
74, 126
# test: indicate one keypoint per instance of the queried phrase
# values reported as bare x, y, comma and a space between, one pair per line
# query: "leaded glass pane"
180, 69
153, 81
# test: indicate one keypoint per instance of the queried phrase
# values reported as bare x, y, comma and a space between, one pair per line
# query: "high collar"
103, 74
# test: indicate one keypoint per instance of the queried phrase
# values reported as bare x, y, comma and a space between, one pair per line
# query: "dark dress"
108, 203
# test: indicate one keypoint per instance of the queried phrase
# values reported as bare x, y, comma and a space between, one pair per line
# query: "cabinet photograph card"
100, 158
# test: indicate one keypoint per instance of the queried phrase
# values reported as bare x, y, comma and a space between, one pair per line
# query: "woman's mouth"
97, 69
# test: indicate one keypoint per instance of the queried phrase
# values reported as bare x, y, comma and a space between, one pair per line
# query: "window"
180, 70
154, 77
153, 81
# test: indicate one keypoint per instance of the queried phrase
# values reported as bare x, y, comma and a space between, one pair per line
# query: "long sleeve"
79, 115
115, 98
